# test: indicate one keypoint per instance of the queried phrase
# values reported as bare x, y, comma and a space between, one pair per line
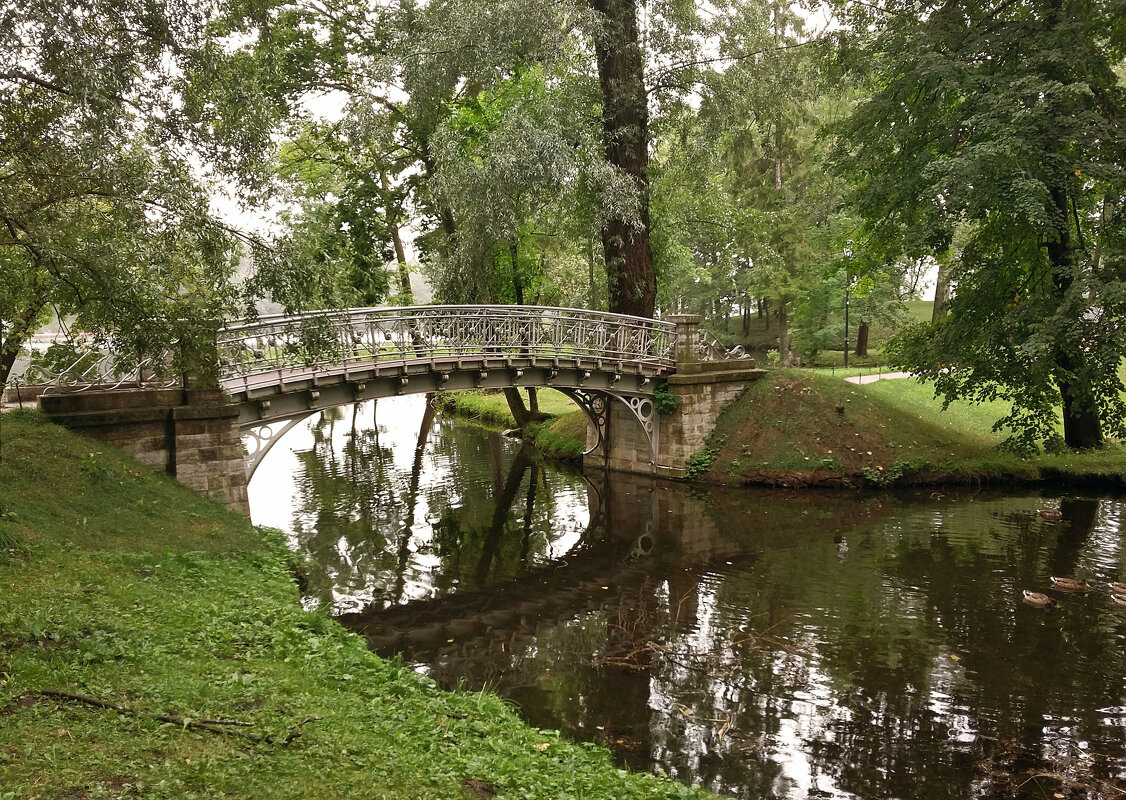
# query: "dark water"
761, 644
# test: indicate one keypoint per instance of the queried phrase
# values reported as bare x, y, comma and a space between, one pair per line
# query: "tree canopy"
998, 128
114, 118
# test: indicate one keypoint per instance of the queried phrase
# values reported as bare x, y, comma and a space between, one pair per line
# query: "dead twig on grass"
231, 727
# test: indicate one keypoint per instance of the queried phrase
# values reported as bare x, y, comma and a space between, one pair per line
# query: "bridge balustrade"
338, 340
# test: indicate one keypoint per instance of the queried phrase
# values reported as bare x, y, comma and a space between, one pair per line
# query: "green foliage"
989, 141
701, 462
62, 356
663, 400
104, 214
492, 407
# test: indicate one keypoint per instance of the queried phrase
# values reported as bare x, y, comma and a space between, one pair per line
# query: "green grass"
562, 437
800, 427
121, 585
972, 421
492, 407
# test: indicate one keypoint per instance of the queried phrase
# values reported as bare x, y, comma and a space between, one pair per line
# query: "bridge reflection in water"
762, 645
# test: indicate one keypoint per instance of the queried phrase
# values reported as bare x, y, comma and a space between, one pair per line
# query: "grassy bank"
795, 428
563, 436
123, 589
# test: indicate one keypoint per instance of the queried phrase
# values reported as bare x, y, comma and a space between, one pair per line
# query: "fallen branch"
230, 727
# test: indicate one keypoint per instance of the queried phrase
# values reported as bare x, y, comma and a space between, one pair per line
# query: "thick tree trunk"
516, 406
783, 334
1082, 428
862, 339
631, 282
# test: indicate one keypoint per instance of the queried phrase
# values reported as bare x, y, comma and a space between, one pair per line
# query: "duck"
1119, 600
1051, 514
1039, 600
1069, 584
1118, 588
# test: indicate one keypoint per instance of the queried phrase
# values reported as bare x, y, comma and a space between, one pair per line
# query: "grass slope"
562, 437
123, 586
795, 428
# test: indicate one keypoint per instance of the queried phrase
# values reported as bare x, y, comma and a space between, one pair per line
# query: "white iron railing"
326, 341
439, 334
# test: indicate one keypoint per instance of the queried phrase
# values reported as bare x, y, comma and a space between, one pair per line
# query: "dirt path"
881, 376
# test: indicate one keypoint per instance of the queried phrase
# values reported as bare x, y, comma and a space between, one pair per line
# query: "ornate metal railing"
438, 333
336, 340
98, 365
708, 348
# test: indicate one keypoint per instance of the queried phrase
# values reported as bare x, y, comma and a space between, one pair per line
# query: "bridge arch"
279, 370
262, 430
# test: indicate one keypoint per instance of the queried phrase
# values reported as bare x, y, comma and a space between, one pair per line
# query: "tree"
745, 207
1004, 121
106, 112
630, 278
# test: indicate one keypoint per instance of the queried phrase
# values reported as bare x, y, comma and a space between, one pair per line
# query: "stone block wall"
192, 435
701, 397
702, 388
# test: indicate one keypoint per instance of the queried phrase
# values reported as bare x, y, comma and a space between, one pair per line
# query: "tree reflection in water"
765, 645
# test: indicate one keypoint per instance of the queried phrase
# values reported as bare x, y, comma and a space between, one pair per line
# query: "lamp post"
848, 290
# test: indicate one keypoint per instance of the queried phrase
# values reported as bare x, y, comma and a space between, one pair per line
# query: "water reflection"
762, 644
393, 504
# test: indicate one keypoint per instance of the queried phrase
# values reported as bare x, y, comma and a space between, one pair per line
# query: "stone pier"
702, 390
191, 434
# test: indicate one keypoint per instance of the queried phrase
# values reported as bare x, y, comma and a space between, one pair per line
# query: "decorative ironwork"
708, 348
596, 408
370, 336
646, 413
264, 437
596, 405
362, 338
99, 366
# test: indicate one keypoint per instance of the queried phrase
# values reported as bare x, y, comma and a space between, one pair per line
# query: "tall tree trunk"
592, 299
941, 288
516, 407
783, 334
405, 293
862, 339
517, 284
631, 282
1082, 428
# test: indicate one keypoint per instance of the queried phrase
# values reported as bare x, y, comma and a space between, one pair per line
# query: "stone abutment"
191, 434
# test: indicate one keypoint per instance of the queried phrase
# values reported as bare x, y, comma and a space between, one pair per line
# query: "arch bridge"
281, 369
273, 372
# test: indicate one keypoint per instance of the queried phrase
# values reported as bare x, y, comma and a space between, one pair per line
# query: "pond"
763, 644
